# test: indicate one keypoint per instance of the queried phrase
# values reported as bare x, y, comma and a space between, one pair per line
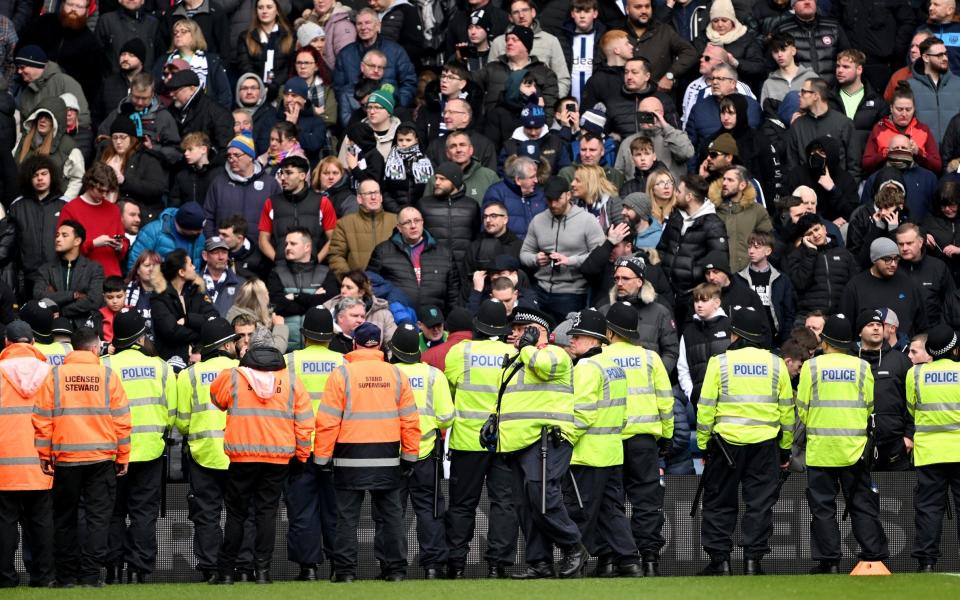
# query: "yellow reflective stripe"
364, 462
553, 416
937, 428
836, 431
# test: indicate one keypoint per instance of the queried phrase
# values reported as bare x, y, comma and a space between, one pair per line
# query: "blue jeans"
558, 306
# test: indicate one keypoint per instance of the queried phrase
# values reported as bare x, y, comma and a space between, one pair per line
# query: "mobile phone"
570, 107
118, 238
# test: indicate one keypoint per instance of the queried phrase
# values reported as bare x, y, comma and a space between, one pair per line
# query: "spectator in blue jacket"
704, 118
398, 71
176, 228
519, 192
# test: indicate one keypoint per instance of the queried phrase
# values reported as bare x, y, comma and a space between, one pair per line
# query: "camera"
468, 51
570, 107
646, 118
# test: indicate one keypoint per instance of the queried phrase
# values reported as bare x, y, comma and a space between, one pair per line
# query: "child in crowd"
707, 335
114, 299
645, 160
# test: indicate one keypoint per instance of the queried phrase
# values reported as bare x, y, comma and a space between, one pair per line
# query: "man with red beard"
67, 41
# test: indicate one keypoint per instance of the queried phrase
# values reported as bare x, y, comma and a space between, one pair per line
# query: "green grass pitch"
781, 587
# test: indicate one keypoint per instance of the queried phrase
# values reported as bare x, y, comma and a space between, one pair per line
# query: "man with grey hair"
477, 177
348, 314
458, 116
520, 192
704, 120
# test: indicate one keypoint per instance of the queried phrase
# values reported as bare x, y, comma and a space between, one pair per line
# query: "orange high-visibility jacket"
368, 417
268, 419
23, 370
81, 414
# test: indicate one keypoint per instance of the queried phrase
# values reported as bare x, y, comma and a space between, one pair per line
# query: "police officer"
435, 407
593, 493
202, 423
932, 400
369, 432
84, 408
151, 389
647, 433
269, 422
746, 404
309, 495
536, 433
39, 315
835, 403
473, 369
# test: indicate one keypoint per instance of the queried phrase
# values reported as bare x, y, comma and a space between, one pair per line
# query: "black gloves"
530, 337
406, 467
489, 433
664, 448
785, 456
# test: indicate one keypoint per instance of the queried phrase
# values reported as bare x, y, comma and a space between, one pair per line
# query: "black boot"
456, 571
394, 576
926, 567
573, 562
208, 576
717, 566
222, 580
307, 573
495, 571
342, 578
751, 566
263, 577
114, 575
243, 576
604, 568
651, 566
134, 576
629, 570
537, 570
826, 567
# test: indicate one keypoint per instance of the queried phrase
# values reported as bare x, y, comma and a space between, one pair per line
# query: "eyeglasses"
890, 259
935, 55
410, 222
805, 91
368, 194
454, 112
181, 31
120, 137
375, 67
664, 183
249, 88
719, 79
714, 154
374, 107
623, 279
494, 216
235, 155
450, 77
705, 58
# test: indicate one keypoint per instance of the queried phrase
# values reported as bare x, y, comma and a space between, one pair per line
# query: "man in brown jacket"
356, 235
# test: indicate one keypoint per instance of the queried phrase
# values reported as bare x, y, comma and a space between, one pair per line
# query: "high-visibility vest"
834, 401
434, 404
263, 429
368, 417
81, 413
601, 388
474, 369
746, 398
540, 395
933, 401
313, 366
55, 352
151, 389
19, 462
649, 393
198, 419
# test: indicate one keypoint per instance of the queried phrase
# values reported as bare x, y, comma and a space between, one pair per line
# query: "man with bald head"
413, 261
921, 183
458, 116
671, 145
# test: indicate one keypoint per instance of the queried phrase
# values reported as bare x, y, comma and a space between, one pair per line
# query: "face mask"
817, 163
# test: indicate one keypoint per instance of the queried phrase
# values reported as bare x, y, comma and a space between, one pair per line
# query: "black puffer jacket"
818, 42
819, 276
701, 340
605, 83
681, 253
172, 339
202, 113
890, 404
145, 181
439, 278
493, 79
342, 197
622, 109
190, 184
35, 223
945, 232
880, 28
871, 109
453, 221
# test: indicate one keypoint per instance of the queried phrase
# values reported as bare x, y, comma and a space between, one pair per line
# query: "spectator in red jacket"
95, 208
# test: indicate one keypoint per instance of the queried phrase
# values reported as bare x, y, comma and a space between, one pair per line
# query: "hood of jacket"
743, 125
715, 193
55, 107
258, 368
520, 134
263, 91
831, 147
241, 180
920, 75
647, 295
49, 71
24, 367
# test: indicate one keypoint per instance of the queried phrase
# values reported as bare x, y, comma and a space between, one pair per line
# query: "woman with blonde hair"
45, 134
189, 44
356, 284
266, 47
662, 190
142, 280
591, 188
331, 178
253, 301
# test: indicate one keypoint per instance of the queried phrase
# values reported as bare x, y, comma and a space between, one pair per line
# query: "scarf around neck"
396, 165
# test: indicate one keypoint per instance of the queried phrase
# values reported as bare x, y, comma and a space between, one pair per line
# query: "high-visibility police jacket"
474, 369
313, 365
834, 402
649, 393
367, 422
601, 404
269, 417
434, 404
81, 413
747, 398
540, 395
151, 389
23, 370
55, 352
198, 419
934, 401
